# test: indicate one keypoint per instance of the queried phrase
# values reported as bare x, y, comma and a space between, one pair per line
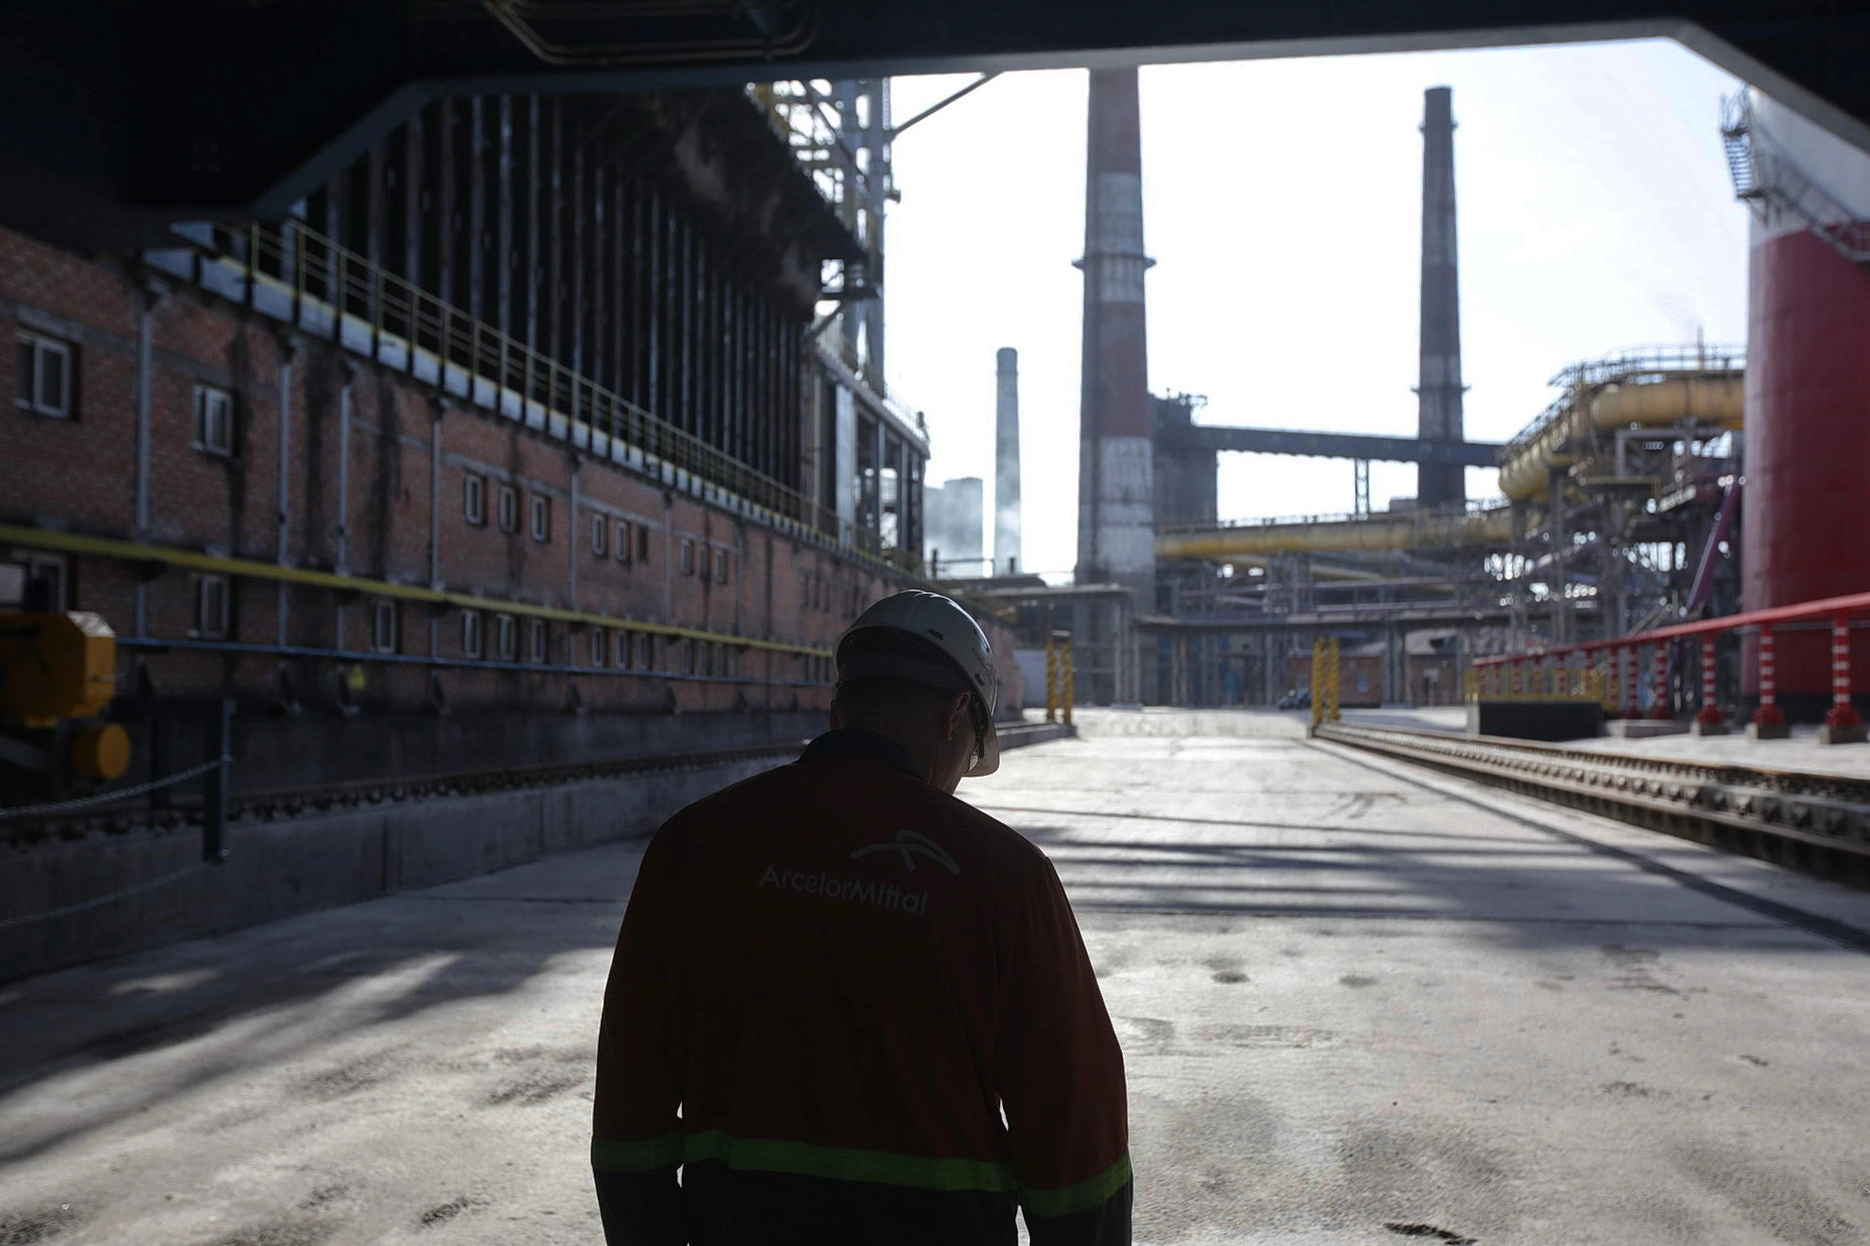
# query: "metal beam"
1346, 445
932, 109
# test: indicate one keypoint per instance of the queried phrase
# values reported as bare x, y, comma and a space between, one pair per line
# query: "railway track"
283, 803
279, 803
1818, 824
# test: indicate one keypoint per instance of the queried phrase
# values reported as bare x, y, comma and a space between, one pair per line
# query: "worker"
852, 1009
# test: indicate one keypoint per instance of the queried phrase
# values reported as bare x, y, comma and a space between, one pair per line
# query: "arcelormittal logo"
908, 844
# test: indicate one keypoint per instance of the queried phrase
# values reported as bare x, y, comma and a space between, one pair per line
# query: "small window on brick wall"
600, 647
45, 375
214, 420
383, 626
474, 498
623, 540
624, 648
600, 535
509, 509
20, 579
470, 633
542, 518
505, 637
720, 566
535, 640
213, 608
688, 556
642, 544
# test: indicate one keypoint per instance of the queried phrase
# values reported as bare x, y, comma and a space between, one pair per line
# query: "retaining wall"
278, 868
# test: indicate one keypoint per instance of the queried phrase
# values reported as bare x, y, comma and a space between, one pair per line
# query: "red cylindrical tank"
1807, 455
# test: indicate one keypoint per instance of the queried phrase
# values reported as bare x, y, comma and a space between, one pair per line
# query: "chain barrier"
103, 798
66, 910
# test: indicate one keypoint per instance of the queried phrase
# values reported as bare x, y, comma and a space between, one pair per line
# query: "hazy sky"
1282, 201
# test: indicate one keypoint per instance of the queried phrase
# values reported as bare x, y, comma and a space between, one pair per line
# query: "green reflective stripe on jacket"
1081, 1197
848, 1164
636, 1156
851, 1164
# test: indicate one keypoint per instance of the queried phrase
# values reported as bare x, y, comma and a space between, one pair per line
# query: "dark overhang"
215, 108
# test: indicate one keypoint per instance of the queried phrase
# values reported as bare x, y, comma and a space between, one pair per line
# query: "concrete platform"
1801, 750
1644, 728
1354, 998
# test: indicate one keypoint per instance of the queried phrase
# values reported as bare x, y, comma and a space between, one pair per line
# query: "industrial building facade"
525, 409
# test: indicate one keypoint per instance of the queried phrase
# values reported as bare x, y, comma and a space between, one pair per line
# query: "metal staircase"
1768, 181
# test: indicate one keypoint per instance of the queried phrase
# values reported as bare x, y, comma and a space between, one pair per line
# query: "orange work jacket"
850, 1008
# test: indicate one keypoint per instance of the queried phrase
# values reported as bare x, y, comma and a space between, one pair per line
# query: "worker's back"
840, 972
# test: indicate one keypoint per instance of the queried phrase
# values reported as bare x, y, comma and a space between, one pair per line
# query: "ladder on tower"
1768, 180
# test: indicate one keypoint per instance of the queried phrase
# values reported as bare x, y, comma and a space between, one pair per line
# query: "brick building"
525, 410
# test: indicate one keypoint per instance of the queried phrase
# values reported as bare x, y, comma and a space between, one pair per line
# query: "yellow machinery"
58, 672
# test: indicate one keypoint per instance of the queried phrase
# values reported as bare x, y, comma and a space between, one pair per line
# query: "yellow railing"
1550, 683
340, 294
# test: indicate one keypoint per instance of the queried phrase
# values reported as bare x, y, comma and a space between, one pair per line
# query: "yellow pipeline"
1377, 533
1324, 571
1712, 399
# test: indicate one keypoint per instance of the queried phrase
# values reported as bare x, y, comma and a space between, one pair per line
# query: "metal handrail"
1819, 612
321, 274
1553, 683
1640, 362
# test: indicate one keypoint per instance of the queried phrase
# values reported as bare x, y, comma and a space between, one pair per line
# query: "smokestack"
1006, 462
1116, 496
1438, 392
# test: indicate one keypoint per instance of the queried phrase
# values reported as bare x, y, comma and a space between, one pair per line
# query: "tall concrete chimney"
1438, 392
1006, 462
1116, 495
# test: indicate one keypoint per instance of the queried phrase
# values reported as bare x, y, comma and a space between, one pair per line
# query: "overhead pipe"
1715, 399
1376, 534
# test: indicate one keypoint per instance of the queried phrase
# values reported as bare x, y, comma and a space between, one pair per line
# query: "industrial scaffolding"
1621, 511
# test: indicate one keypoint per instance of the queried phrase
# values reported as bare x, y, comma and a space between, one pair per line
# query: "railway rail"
278, 803
282, 803
1818, 824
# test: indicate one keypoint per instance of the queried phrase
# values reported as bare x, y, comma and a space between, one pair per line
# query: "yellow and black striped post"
1324, 680
1058, 677
1051, 677
1067, 677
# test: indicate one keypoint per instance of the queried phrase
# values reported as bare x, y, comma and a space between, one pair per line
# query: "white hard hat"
942, 622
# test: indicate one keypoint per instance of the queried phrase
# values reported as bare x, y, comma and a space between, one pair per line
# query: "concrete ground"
1360, 1003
